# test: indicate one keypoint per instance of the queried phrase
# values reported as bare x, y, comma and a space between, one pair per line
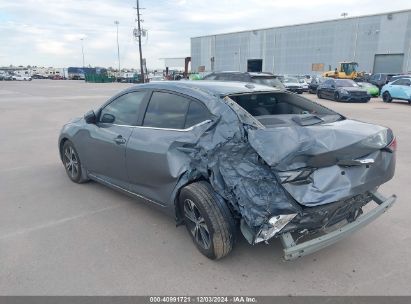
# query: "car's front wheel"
386, 97
319, 94
208, 219
337, 96
72, 163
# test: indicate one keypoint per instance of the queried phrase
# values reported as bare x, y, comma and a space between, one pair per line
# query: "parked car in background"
226, 156
399, 89
342, 90
292, 84
156, 78
21, 78
254, 77
315, 82
371, 89
39, 76
393, 78
304, 82
7, 77
57, 77
380, 79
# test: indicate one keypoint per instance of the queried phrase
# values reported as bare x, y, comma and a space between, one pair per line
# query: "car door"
105, 142
395, 88
404, 89
326, 88
169, 122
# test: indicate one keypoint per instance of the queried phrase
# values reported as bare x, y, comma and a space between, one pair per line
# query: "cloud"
52, 47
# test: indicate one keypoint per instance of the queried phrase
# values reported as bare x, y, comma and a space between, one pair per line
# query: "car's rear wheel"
319, 94
386, 97
72, 163
208, 220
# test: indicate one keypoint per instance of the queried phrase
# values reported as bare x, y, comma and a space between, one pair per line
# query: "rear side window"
166, 110
196, 113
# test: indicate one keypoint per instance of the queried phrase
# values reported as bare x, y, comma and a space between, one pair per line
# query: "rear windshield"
290, 80
259, 104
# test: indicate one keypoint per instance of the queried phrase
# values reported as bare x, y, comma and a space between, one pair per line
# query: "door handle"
120, 140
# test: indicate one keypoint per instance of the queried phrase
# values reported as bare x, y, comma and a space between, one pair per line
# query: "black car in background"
255, 77
315, 82
380, 79
342, 90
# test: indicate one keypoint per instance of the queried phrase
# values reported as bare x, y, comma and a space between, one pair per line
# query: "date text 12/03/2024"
203, 299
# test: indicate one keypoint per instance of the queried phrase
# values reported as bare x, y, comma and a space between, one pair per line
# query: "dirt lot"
57, 237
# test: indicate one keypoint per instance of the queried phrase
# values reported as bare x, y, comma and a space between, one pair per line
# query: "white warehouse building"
380, 43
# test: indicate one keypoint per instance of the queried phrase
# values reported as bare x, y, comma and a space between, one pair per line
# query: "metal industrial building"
379, 43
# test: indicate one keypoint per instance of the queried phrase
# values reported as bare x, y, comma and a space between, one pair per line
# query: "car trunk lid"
337, 160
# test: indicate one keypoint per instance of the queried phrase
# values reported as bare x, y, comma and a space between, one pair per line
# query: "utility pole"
118, 47
139, 40
82, 50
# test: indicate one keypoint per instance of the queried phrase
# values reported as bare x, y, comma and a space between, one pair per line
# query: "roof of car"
252, 74
210, 87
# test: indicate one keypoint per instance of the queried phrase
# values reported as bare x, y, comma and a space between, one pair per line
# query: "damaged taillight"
295, 176
392, 146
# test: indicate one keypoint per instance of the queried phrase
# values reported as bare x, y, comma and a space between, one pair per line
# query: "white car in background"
21, 78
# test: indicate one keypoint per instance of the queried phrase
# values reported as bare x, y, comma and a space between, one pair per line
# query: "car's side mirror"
108, 118
90, 117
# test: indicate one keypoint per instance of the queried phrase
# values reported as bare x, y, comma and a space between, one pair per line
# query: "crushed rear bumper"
292, 250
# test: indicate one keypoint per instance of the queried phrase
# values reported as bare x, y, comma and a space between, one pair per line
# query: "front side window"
124, 110
166, 110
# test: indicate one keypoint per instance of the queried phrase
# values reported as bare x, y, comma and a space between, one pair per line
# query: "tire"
72, 163
337, 96
319, 95
208, 220
386, 97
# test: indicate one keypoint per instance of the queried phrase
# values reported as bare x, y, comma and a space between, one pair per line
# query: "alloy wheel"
196, 224
71, 162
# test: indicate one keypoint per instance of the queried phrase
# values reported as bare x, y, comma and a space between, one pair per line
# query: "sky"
48, 32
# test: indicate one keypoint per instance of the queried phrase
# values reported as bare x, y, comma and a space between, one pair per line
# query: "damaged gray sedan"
219, 156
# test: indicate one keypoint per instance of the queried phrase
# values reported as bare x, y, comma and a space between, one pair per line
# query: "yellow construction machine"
346, 70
